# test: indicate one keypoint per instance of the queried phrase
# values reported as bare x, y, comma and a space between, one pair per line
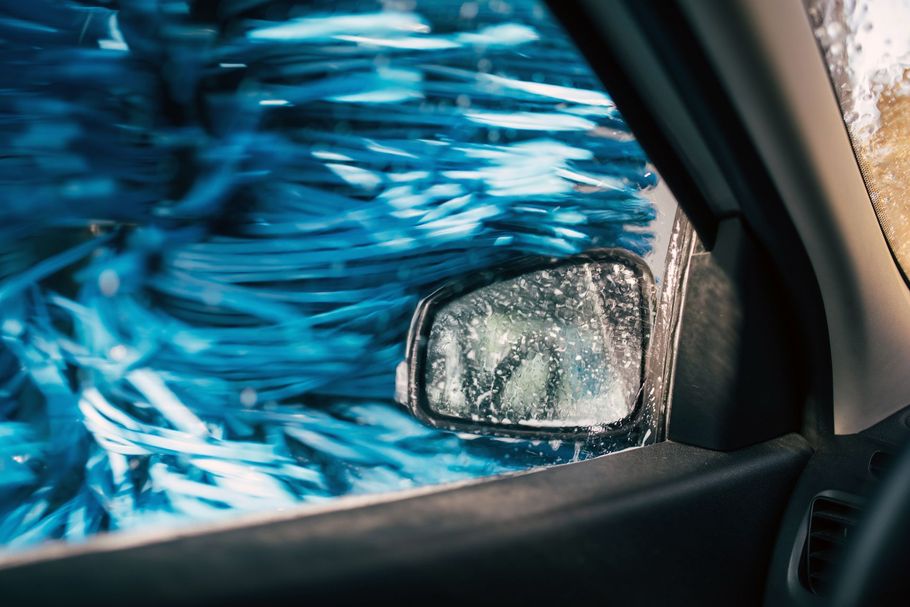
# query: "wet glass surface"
560, 347
217, 218
867, 50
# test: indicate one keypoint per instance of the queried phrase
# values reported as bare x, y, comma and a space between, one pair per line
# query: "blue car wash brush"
216, 219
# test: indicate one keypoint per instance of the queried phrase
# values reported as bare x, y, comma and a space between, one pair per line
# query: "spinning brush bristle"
216, 219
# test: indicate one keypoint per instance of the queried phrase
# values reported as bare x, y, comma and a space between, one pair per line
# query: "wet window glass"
217, 218
867, 49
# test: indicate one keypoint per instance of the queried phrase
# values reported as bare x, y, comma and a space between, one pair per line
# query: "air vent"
831, 522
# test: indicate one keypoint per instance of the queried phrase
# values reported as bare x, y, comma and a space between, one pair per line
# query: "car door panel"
667, 522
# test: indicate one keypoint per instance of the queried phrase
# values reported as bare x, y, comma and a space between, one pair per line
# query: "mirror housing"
538, 348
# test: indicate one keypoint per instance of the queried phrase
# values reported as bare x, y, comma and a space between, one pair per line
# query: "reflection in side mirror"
546, 348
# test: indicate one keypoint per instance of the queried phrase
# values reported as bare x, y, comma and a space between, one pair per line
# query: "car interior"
781, 479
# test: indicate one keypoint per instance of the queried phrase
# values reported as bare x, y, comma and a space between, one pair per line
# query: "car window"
867, 50
217, 219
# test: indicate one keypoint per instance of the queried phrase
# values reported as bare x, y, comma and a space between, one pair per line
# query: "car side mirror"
541, 348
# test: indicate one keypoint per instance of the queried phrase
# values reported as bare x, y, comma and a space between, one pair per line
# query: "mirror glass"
554, 348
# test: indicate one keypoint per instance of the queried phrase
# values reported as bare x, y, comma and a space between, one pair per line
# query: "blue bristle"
217, 217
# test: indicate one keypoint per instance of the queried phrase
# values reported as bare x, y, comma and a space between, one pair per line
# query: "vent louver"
831, 522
